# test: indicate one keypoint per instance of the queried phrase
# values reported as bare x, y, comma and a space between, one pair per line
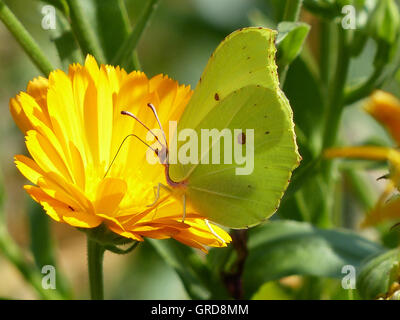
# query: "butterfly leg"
157, 193
184, 207
157, 197
213, 232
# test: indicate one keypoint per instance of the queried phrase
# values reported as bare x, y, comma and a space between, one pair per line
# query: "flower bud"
384, 22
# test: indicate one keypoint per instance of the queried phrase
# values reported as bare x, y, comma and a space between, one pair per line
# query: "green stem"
95, 254
375, 80
84, 32
336, 101
292, 10
26, 41
13, 254
124, 14
134, 61
42, 245
131, 42
332, 120
364, 89
385, 68
60, 5
291, 13
325, 51
10, 250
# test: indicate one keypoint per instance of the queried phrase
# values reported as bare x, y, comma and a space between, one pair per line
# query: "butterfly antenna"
127, 113
120, 147
151, 106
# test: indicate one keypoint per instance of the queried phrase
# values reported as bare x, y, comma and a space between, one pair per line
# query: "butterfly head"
162, 154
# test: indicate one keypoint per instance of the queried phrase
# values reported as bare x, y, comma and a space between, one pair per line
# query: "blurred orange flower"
73, 129
385, 108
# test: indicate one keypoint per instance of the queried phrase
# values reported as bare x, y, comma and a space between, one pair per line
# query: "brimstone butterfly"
239, 89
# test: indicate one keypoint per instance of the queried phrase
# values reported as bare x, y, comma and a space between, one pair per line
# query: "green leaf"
193, 272
11, 251
221, 259
309, 201
129, 45
67, 49
65, 42
330, 9
42, 245
81, 17
258, 19
292, 10
282, 248
63, 37
376, 274
111, 25
323, 8
290, 40
59, 4
271, 291
23, 37
304, 93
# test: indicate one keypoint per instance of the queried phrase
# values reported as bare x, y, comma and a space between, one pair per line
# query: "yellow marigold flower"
385, 108
73, 129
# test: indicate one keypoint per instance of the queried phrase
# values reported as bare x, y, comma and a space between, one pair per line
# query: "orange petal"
92, 66
61, 211
56, 187
389, 211
110, 193
28, 168
39, 196
206, 234
385, 108
124, 233
369, 153
19, 116
37, 88
45, 155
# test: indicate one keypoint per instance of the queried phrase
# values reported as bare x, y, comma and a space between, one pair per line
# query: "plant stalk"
131, 42
336, 97
332, 119
291, 13
84, 32
292, 10
95, 254
25, 40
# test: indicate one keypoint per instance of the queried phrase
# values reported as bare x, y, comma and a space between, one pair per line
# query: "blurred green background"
178, 42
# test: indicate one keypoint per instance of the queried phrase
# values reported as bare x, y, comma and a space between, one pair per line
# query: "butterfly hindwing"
240, 199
